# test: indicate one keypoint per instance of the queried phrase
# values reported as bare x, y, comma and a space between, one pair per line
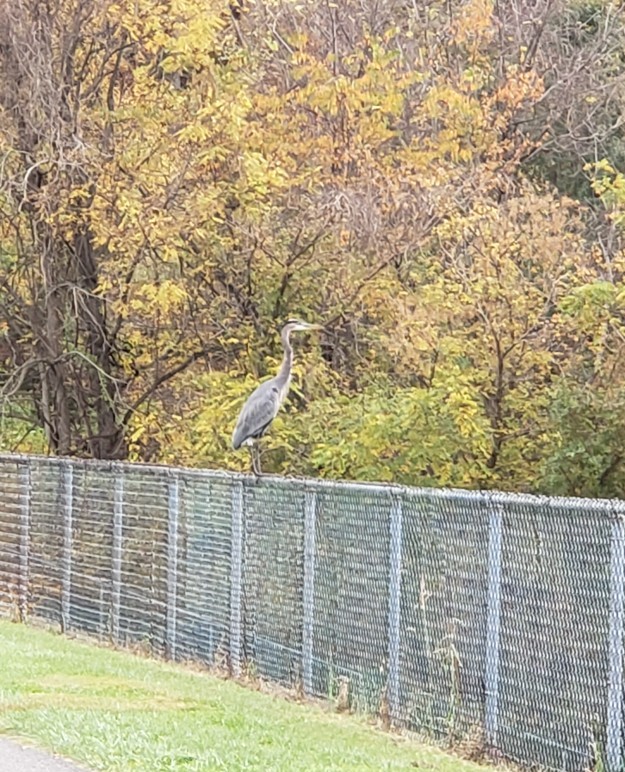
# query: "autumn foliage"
441, 184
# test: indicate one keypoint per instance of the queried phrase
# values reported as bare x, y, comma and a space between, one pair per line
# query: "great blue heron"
263, 404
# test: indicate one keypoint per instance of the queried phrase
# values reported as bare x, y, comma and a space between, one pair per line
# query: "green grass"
115, 711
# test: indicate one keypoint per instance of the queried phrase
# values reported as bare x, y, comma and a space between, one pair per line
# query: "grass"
118, 712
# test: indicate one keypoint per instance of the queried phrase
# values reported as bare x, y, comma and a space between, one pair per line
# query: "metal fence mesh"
272, 581
203, 571
444, 613
459, 614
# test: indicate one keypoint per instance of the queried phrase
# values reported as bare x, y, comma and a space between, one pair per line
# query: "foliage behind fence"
458, 613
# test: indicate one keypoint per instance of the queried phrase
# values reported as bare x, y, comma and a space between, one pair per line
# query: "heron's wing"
257, 413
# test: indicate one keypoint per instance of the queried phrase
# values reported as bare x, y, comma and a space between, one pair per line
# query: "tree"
178, 178
103, 109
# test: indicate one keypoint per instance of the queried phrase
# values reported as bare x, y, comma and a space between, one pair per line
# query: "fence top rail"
609, 507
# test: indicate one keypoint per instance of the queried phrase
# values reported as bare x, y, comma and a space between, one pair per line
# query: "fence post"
310, 511
116, 569
615, 647
68, 512
25, 511
236, 576
394, 606
172, 565
493, 623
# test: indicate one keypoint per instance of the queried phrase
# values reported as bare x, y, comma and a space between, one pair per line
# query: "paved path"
15, 758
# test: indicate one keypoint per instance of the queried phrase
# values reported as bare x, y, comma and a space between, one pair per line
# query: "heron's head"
296, 325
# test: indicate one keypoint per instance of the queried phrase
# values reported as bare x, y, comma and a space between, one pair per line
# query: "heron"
264, 402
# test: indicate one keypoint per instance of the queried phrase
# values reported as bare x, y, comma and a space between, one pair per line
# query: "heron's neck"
284, 373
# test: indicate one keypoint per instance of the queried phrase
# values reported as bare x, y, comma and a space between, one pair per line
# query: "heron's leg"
256, 459
258, 469
250, 447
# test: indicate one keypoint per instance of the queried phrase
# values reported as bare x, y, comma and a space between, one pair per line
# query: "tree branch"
160, 381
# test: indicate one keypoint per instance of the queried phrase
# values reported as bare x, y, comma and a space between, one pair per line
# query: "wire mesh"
273, 580
48, 504
143, 602
89, 553
444, 613
12, 514
352, 595
204, 567
554, 632
456, 613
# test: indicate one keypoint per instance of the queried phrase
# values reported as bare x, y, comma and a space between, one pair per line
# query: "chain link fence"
458, 614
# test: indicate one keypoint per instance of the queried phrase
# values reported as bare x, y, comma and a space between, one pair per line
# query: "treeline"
436, 181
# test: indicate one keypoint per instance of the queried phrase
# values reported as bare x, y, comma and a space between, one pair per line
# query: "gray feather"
258, 412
